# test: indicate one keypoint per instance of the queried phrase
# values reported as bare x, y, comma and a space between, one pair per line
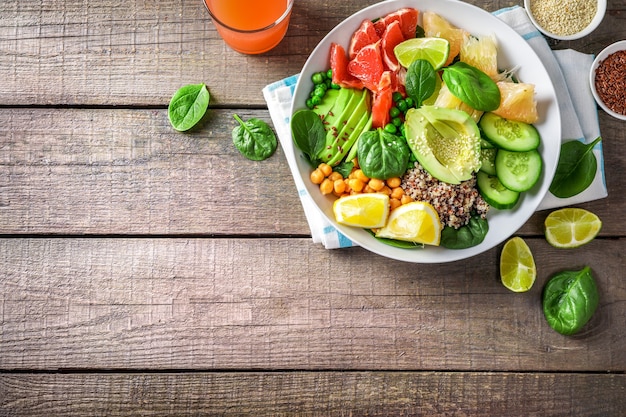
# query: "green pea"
396, 96
309, 103
329, 74
402, 106
397, 121
316, 100
410, 103
390, 128
394, 112
317, 78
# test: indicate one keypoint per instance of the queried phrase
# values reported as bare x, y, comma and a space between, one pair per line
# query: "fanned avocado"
344, 119
446, 142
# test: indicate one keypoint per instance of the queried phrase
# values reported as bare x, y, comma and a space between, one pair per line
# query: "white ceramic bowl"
513, 52
595, 22
617, 46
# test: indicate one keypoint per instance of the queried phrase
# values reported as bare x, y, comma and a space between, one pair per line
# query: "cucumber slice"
518, 171
509, 134
494, 193
488, 160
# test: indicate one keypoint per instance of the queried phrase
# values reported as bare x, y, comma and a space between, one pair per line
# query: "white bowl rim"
614, 47
593, 25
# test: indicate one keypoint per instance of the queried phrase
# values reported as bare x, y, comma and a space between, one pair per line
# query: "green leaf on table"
188, 106
569, 300
576, 168
254, 139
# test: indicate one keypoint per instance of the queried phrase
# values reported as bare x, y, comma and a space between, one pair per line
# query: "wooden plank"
69, 52
288, 304
121, 171
314, 393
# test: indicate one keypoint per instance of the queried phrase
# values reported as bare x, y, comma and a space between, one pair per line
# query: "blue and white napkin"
579, 119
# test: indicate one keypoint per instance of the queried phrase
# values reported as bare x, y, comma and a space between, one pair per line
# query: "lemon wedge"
368, 211
417, 221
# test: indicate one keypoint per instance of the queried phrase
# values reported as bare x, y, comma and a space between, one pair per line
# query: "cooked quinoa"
454, 203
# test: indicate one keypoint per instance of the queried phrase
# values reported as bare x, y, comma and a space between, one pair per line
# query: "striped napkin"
579, 118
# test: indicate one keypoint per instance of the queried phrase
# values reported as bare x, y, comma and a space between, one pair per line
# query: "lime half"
517, 265
571, 227
433, 50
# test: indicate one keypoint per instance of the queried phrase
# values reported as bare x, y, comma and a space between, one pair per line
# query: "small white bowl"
595, 22
617, 46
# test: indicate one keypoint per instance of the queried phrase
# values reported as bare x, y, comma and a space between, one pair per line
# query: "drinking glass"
250, 26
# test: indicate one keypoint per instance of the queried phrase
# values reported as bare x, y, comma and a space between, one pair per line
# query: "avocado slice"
341, 121
359, 121
446, 142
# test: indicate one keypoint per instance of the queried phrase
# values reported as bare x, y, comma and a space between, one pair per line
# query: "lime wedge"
433, 50
571, 227
517, 265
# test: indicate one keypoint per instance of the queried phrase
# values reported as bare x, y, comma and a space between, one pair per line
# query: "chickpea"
394, 182
394, 203
326, 187
356, 185
339, 186
397, 192
376, 184
317, 176
334, 176
361, 176
325, 168
406, 199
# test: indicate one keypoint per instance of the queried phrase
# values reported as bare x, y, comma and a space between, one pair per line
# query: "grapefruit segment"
406, 17
339, 65
518, 102
391, 37
367, 66
383, 100
363, 36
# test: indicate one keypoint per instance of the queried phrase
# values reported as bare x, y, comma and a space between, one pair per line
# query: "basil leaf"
472, 234
187, 106
472, 86
254, 139
382, 154
309, 135
569, 300
576, 168
421, 81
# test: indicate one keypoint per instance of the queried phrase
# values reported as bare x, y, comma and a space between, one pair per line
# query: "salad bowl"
513, 53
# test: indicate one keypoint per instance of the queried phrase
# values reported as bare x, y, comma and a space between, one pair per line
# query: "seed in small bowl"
607, 79
566, 19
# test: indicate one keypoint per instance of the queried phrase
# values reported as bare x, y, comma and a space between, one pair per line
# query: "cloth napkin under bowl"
579, 119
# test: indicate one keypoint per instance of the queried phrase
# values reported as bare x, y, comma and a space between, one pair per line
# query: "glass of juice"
250, 26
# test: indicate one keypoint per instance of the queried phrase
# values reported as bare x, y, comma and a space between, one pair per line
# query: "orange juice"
250, 26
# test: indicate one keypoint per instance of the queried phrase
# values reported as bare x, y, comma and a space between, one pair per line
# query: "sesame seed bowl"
606, 79
566, 19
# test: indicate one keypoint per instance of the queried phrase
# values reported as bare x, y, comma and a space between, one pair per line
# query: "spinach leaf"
344, 168
187, 106
382, 154
472, 234
569, 300
576, 168
254, 139
472, 86
309, 135
421, 81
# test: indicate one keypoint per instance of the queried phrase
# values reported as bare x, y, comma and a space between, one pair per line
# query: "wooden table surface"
149, 272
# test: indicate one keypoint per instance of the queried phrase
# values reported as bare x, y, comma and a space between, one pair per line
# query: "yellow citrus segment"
571, 227
368, 211
438, 27
481, 53
417, 221
517, 102
517, 265
449, 101
433, 50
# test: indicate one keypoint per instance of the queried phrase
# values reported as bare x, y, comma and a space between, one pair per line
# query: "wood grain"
123, 171
68, 53
314, 393
286, 304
